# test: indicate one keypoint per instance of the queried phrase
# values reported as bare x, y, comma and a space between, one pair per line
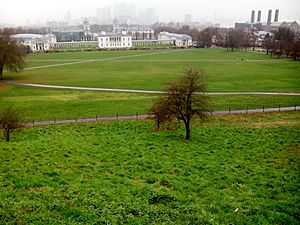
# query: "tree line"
281, 42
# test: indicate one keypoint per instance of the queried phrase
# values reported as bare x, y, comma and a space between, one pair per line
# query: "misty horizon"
222, 12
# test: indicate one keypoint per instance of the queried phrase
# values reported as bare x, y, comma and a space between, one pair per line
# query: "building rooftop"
180, 36
113, 35
27, 36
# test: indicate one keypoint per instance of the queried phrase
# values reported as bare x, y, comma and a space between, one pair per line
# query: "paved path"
141, 117
145, 91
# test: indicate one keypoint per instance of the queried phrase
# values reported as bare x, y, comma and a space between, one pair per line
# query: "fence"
141, 117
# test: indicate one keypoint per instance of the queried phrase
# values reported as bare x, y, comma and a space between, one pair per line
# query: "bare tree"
283, 38
11, 119
267, 43
183, 99
159, 111
206, 37
295, 50
11, 53
235, 39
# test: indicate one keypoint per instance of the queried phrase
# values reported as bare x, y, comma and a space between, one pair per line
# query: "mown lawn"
150, 70
235, 170
42, 104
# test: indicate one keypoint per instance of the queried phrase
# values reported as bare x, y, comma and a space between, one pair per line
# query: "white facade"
36, 42
114, 41
180, 40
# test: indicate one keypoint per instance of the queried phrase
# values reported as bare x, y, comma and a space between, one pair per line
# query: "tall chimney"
253, 16
269, 17
259, 16
276, 15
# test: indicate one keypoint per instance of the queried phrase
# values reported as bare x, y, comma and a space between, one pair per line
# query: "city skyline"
202, 11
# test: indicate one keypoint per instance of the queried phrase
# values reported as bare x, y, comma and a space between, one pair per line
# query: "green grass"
235, 170
152, 73
153, 46
237, 75
41, 104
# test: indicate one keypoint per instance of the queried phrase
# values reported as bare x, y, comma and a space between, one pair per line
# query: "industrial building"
269, 25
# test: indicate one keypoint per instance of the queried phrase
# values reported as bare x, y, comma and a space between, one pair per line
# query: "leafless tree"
267, 43
11, 53
11, 119
206, 37
159, 111
283, 38
235, 39
295, 50
184, 99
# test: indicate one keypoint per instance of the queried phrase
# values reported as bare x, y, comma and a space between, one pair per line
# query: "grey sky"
20, 11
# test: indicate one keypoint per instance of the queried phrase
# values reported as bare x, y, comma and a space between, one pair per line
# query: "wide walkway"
144, 91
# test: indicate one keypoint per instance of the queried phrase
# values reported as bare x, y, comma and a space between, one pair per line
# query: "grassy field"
147, 70
41, 104
235, 170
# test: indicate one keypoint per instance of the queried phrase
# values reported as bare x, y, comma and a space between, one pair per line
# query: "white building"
180, 40
36, 42
114, 41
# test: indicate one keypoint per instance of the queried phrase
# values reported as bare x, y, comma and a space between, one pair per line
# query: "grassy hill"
148, 70
235, 170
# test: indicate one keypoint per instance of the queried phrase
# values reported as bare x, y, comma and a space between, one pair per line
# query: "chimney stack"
253, 16
259, 16
269, 17
276, 15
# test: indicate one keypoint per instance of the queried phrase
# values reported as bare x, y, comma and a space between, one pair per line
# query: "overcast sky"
20, 11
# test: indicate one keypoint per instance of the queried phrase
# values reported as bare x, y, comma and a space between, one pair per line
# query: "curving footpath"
144, 91
142, 117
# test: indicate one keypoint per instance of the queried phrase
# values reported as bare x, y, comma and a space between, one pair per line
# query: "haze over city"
218, 11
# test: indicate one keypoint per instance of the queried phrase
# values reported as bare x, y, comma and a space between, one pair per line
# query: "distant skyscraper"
187, 18
119, 10
104, 15
124, 12
148, 16
131, 10
68, 17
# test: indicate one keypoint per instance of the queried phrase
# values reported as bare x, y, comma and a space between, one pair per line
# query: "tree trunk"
1, 72
187, 130
7, 136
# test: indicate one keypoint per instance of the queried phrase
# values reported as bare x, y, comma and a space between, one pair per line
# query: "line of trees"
283, 42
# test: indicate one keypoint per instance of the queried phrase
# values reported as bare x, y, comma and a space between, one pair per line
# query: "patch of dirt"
2, 85
32, 189
274, 124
